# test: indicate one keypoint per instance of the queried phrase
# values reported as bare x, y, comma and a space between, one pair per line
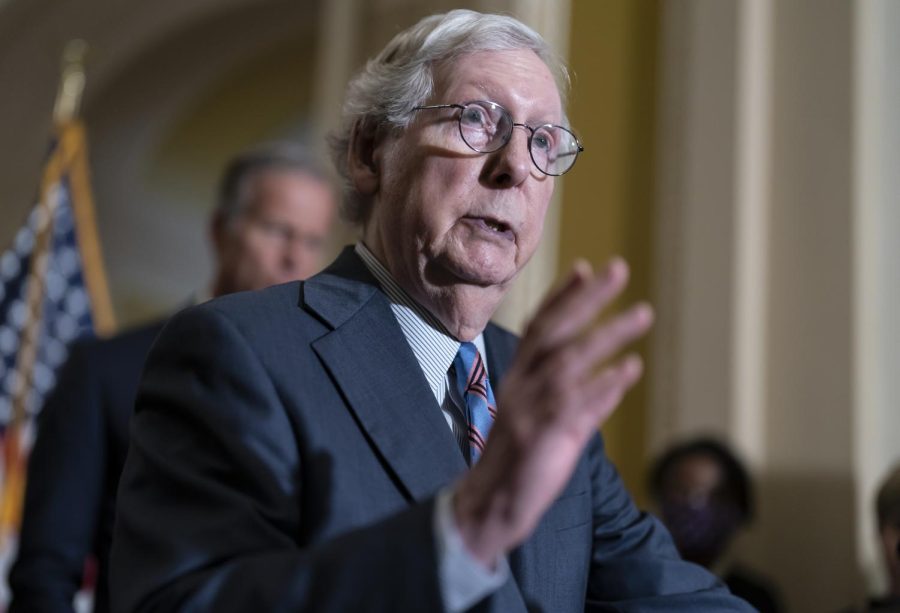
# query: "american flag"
52, 291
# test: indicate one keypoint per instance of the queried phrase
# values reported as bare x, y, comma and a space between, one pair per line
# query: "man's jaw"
463, 305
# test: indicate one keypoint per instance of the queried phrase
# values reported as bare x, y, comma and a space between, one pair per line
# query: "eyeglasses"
487, 127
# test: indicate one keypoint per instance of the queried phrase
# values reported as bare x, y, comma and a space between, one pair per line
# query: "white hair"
382, 96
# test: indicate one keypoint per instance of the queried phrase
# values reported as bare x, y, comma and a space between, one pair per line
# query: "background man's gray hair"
279, 156
383, 94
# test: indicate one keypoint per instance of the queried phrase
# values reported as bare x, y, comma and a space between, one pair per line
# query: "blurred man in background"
705, 496
275, 209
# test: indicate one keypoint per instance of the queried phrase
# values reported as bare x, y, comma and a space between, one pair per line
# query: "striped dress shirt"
434, 347
463, 580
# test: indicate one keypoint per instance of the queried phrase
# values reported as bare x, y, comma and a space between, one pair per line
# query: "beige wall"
809, 534
774, 206
608, 203
876, 291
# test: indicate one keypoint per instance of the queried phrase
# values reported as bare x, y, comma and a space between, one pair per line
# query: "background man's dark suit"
266, 193
297, 433
74, 471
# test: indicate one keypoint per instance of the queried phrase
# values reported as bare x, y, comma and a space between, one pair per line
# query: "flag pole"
71, 83
67, 162
74, 156
68, 101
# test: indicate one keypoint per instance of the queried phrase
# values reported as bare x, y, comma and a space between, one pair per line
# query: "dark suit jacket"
73, 472
285, 453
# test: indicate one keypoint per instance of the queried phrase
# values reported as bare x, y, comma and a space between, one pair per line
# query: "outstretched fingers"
605, 341
563, 384
605, 390
572, 307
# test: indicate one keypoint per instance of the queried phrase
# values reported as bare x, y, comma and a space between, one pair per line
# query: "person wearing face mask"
887, 508
887, 516
705, 496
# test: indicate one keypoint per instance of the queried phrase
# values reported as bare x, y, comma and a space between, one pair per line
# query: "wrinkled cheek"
528, 245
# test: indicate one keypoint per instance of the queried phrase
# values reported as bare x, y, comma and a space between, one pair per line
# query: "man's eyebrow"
492, 94
486, 92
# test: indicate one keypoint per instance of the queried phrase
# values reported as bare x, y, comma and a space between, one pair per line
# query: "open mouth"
496, 226
491, 225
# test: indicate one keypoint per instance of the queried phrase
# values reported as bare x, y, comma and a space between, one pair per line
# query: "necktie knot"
475, 389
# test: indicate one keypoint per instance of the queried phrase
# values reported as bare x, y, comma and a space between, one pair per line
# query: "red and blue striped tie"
481, 409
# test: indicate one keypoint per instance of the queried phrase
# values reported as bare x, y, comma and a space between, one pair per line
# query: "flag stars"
24, 241
9, 265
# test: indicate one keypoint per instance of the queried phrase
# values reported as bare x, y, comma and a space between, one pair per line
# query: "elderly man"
274, 212
305, 448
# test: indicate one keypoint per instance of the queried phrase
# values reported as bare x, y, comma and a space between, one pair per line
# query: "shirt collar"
434, 347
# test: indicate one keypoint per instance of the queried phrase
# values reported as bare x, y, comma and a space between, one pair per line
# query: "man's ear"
362, 161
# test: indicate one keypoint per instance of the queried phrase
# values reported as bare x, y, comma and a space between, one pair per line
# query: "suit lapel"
378, 374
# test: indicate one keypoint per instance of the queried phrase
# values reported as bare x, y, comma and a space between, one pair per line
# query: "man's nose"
512, 164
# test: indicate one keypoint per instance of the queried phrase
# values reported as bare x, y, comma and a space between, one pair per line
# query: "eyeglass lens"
487, 127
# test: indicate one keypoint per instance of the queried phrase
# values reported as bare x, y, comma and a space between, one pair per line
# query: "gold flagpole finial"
71, 84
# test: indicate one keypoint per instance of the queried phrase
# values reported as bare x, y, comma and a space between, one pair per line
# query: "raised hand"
560, 388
